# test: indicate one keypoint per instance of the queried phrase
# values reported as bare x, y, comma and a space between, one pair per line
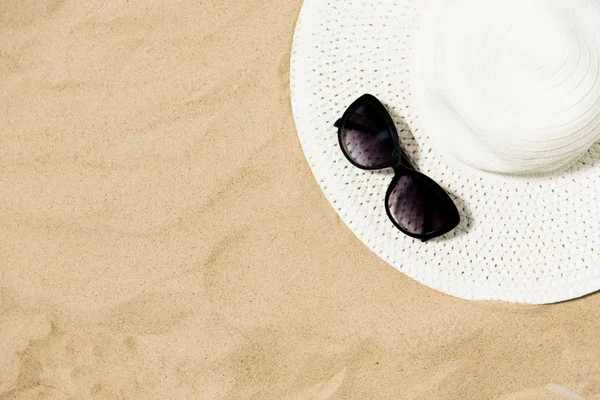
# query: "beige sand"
162, 237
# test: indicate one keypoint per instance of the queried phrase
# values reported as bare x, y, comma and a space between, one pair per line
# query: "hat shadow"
590, 160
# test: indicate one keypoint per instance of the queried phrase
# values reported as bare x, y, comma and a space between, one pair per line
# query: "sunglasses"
416, 204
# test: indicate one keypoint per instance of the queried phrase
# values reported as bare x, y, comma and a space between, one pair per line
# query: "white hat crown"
510, 86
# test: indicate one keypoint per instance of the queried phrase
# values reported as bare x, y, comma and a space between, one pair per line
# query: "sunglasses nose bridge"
402, 167
338, 123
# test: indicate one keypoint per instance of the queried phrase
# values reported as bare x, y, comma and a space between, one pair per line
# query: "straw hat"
498, 102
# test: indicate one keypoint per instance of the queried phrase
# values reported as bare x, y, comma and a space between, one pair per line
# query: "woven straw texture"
528, 239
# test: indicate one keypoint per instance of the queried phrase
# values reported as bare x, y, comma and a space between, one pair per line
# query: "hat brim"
521, 239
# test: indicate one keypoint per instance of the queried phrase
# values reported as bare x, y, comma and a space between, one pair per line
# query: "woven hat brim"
532, 240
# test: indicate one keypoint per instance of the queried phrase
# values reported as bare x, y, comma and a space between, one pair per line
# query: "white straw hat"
498, 102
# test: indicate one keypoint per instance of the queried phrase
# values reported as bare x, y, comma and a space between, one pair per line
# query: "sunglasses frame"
401, 164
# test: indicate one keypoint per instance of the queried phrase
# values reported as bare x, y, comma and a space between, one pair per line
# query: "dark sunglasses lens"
366, 137
420, 207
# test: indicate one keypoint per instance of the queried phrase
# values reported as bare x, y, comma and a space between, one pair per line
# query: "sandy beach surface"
162, 237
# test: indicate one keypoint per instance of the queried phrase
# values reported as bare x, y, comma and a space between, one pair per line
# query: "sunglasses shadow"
408, 143
412, 149
465, 224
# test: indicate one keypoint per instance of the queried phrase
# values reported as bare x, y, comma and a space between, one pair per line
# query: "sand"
162, 237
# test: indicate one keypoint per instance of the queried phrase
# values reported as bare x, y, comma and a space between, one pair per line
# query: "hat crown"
511, 86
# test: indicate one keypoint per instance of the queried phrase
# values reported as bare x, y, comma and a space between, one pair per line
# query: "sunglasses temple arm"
405, 159
353, 125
